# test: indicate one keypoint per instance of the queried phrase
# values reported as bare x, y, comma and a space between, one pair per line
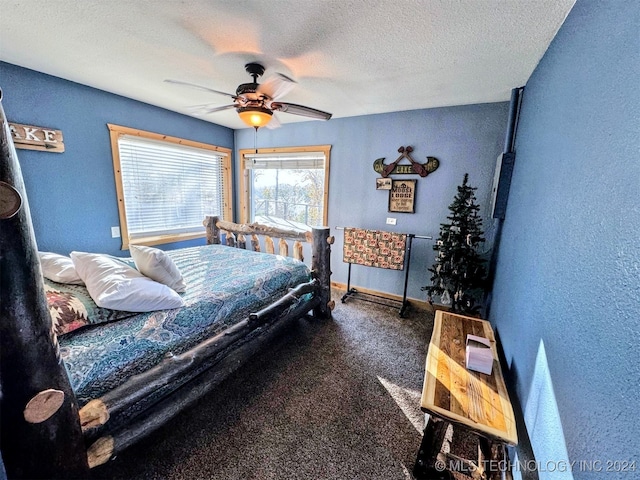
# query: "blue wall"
73, 199
566, 298
72, 195
464, 139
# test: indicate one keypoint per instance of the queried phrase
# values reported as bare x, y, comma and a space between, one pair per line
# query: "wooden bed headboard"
319, 238
236, 235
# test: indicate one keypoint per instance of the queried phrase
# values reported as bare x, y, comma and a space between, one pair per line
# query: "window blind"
298, 160
168, 188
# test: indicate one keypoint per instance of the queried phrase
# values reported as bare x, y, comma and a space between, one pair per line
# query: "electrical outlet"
391, 221
115, 232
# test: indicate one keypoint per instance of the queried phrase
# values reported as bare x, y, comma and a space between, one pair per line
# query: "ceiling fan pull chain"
255, 139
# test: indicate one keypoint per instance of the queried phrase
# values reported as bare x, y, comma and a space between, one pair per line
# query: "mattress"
224, 285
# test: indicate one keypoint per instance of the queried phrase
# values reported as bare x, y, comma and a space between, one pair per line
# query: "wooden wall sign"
422, 169
402, 196
29, 137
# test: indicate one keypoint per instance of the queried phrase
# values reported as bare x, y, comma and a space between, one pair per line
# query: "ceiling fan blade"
274, 123
300, 110
206, 109
206, 89
276, 86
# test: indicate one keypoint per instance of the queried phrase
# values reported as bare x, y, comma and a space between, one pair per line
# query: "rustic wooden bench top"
452, 392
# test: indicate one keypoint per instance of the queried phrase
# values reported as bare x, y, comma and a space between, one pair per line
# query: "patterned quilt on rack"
224, 285
374, 248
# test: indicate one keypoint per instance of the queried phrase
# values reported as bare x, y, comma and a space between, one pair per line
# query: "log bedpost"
231, 239
40, 434
255, 242
269, 246
242, 242
283, 248
321, 269
213, 232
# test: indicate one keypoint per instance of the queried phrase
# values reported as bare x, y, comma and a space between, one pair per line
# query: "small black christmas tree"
458, 273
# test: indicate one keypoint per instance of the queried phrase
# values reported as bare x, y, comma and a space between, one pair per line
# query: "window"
286, 187
167, 185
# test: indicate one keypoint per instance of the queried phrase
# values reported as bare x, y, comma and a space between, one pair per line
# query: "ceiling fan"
256, 103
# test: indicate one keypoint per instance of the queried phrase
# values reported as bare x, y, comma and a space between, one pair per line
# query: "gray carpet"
335, 399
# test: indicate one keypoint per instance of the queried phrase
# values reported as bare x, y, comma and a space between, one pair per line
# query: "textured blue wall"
73, 199
464, 139
72, 195
568, 273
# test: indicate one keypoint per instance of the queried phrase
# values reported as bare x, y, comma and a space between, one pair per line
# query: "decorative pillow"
112, 284
59, 268
71, 307
158, 266
67, 311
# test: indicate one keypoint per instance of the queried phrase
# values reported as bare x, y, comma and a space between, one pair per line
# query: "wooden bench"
453, 395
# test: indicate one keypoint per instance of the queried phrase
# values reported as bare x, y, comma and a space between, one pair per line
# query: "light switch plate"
391, 221
115, 232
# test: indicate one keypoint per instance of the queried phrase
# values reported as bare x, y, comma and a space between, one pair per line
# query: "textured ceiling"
349, 57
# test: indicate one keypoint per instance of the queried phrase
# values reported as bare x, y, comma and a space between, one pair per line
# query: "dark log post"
213, 232
276, 308
436, 440
47, 443
321, 269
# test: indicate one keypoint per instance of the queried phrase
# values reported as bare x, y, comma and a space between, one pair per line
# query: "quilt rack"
395, 254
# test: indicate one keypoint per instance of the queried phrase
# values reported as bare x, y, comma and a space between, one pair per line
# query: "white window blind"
295, 161
168, 188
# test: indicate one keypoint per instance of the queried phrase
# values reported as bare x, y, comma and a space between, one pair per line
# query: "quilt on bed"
224, 285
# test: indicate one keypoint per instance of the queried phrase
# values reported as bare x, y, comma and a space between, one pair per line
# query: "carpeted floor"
335, 399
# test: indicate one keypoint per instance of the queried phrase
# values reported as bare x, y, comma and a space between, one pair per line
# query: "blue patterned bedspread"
224, 285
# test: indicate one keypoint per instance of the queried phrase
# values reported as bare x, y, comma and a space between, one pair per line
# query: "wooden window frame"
245, 192
115, 132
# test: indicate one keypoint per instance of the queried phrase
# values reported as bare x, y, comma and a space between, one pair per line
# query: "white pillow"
113, 284
158, 266
59, 268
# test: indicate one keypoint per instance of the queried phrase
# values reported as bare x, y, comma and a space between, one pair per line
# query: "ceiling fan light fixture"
255, 116
255, 103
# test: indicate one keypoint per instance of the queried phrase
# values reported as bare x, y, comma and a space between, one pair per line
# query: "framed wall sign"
383, 184
402, 196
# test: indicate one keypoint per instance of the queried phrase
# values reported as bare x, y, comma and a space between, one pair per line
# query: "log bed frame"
43, 432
